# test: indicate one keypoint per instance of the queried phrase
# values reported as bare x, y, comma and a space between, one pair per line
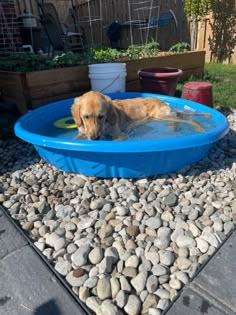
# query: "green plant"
26, 62
180, 47
104, 55
68, 59
134, 52
21, 62
150, 49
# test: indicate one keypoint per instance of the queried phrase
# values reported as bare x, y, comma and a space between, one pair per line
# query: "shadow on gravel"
16, 155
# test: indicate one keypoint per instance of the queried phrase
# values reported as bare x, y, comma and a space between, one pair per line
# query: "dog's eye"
86, 117
100, 117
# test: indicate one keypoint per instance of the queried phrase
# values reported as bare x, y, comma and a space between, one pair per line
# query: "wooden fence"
95, 16
204, 33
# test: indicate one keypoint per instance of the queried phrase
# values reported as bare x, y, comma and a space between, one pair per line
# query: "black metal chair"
50, 16
58, 41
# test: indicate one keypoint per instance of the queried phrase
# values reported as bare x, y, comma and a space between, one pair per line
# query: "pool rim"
132, 146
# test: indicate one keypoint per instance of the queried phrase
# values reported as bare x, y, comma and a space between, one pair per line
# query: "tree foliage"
223, 39
196, 9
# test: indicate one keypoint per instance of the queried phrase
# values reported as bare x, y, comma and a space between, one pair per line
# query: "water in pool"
153, 130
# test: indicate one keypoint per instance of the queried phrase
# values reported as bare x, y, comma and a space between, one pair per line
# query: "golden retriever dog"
96, 115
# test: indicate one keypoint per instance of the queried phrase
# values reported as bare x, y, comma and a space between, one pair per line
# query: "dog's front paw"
121, 137
200, 128
174, 126
81, 136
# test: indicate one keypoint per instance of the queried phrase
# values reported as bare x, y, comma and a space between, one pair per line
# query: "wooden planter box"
189, 63
32, 89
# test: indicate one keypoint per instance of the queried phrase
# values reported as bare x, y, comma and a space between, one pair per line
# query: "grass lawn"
223, 79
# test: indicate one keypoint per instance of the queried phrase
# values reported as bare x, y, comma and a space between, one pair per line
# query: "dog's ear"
75, 110
112, 116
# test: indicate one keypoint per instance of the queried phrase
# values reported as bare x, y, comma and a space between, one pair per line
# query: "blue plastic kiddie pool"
151, 149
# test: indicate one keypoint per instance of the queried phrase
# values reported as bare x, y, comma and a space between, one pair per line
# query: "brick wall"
10, 38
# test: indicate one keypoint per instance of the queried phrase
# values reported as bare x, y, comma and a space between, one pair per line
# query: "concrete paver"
192, 303
27, 285
218, 277
9, 237
213, 290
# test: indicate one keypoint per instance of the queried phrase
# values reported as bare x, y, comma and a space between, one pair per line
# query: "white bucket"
108, 77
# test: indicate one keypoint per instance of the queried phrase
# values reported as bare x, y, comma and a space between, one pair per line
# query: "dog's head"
91, 111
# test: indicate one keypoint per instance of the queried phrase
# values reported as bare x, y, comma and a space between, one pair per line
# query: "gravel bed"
124, 246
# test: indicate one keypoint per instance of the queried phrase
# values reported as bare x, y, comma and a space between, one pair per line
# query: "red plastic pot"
200, 92
159, 80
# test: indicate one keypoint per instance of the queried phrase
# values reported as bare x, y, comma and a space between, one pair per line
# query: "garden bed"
32, 89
